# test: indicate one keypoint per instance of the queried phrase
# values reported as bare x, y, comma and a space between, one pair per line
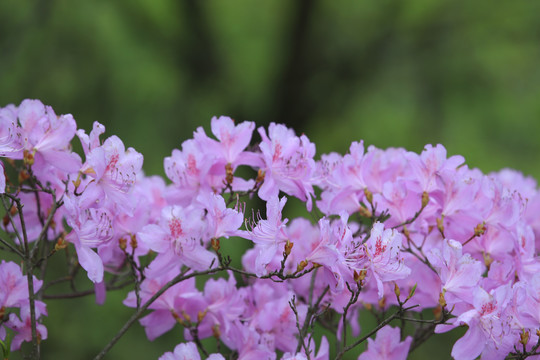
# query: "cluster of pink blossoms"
393, 230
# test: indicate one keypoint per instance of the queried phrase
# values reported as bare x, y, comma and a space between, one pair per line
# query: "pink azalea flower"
224, 305
113, 171
489, 326
91, 227
233, 140
11, 137
430, 164
288, 164
177, 239
329, 250
269, 314
14, 285
383, 251
387, 346
23, 326
220, 220
47, 137
268, 234
189, 171
459, 273
399, 200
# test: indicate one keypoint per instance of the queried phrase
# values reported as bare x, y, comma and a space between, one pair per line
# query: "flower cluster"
392, 229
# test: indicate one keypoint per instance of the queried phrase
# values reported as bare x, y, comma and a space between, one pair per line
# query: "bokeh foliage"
391, 72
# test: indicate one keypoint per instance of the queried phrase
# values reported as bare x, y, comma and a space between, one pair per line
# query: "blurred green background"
394, 73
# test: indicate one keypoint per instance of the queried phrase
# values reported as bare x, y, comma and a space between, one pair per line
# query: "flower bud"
411, 293
60, 244
382, 302
186, 316
480, 229
425, 199
369, 195
215, 331
488, 260
406, 231
440, 224
260, 176
77, 182
23, 176
133, 241
215, 244
437, 312
524, 337
201, 315
396, 290
178, 318
28, 158
364, 212
229, 173
288, 246
122, 242
442, 300
301, 266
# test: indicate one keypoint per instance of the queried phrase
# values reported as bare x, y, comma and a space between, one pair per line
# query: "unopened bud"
77, 182
133, 241
406, 231
28, 158
301, 266
61, 243
524, 337
411, 293
382, 302
440, 224
288, 247
362, 275
538, 332
215, 244
368, 306
229, 173
260, 176
178, 318
364, 212
186, 316
437, 312
2, 312
425, 199
215, 331
442, 300
316, 265
201, 315
369, 195
122, 242
23, 176
480, 229
488, 260
396, 290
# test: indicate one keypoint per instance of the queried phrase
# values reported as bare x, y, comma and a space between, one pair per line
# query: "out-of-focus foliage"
391, 72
